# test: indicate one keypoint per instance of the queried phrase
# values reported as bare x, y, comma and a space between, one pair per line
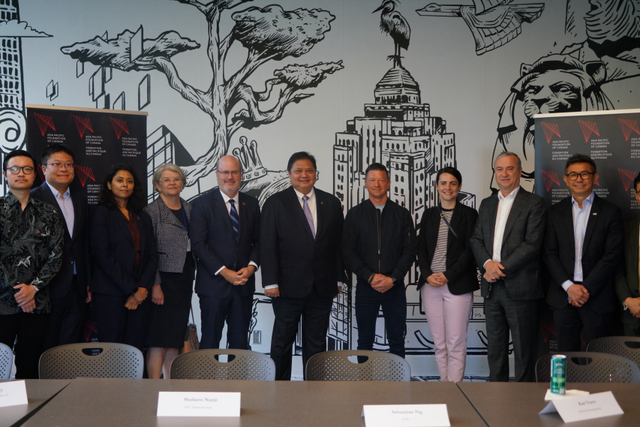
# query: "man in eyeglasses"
582, 246
31, 239
68, 289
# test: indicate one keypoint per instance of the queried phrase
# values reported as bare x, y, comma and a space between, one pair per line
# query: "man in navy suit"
224, 233
69, 287
302, 269
583, 245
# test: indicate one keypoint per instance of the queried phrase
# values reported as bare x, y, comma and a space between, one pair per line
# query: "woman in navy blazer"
125, 259
448, 274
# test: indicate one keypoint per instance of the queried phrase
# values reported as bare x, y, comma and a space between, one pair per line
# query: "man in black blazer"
506, 245
301, 263
583, 246
224, 232
627, 279
69, 287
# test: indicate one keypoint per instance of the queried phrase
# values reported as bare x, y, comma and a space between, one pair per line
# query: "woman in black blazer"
448, 273
125, 259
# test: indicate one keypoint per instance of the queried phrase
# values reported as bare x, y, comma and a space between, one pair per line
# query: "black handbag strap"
443, 216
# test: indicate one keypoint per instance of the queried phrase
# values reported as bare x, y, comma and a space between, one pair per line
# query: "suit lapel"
321, 214
294, 205
221, 207
492, 216
567, 221
51, 199
514, 213
456, 217
77, 217
118, 217
591, 223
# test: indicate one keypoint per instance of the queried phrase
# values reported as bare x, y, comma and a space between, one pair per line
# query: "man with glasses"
68, 289
224, 234
31, 239
582, 246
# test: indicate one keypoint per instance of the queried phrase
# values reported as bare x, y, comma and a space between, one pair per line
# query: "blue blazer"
113, 253
290, 256
215, 246
76, 248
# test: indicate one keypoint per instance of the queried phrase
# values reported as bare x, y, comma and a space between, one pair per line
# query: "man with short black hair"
31, 238
582, 249
379, 245
68, 289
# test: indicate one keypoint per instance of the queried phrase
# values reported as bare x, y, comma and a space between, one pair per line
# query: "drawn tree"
267, 34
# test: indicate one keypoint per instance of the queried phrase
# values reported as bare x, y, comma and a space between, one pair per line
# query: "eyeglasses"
168, 180
574, 175
56, 165
27, 170
227, 173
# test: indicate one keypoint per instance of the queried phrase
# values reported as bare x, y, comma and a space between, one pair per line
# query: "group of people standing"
136, 263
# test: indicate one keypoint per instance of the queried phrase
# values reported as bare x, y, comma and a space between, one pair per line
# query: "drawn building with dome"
399, 132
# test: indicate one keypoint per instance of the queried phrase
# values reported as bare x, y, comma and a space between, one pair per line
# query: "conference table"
519, 404
130, 402
38, 393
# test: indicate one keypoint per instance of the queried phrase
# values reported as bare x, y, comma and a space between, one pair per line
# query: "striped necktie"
235, 219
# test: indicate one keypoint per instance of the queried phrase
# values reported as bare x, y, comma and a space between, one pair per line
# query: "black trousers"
28, 331
577, 326
315, 312
235, 309
67, 317
118, 324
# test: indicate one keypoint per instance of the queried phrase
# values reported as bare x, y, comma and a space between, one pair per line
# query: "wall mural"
260, 80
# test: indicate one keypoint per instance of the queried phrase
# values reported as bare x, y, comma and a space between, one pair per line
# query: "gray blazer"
521, 243
171, 236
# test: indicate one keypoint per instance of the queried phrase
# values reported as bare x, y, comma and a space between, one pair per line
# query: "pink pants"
448, 318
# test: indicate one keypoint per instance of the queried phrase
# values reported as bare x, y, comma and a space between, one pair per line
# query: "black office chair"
6, 361
240, 365
93, 360
367, 366
628, 347
589, 367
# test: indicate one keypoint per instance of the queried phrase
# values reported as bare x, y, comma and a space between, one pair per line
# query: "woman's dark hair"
136, 202
450, 171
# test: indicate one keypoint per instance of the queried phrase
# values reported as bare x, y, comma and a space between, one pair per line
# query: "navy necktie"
235, 219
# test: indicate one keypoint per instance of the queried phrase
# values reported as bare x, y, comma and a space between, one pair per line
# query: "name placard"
435, 415
13, 393
198, 404
581, 408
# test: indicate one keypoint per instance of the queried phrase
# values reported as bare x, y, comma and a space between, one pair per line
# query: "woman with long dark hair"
125, 258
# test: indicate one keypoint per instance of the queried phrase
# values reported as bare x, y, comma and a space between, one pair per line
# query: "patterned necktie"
307, 213
235, 219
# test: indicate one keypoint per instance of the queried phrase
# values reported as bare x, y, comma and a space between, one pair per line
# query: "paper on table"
588, 407
198, 404
434, 415
13, 393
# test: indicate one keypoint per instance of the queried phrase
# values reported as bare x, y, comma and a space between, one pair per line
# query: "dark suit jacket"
521, 243
627, 277
290, 256
601, 253
215, 245
75, 248
461, 268
114, 255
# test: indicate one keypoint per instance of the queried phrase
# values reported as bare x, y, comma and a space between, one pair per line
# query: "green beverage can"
558, 374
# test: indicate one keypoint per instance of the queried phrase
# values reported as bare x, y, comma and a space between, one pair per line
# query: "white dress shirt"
580, 221
504, 208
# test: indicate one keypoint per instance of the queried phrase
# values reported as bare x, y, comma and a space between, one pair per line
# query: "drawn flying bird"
393, 23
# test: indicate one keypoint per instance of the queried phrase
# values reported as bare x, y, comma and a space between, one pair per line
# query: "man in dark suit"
627, 279
69, 287
224, 232
583, 246
506, 245
301, 263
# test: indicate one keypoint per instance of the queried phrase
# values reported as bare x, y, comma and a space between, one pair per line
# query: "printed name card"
406, 415
13, 393
198, 404
581, 408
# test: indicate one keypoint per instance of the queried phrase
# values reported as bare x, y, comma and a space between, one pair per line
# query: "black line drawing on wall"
493, 23
607, 49
399, 131
13, 124
267, 34
393, 23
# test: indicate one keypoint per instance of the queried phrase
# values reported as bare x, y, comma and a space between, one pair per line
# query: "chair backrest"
368, 366
628, 347
590, 367
240, 365
94, 360
6, 361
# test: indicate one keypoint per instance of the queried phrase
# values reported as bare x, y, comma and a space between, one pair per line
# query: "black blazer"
114, 255
461, 268
627, 277
602, 250
75, 248
521, 244
215, 245
290, 256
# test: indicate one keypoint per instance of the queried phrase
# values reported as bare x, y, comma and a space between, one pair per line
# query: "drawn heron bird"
393, 23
